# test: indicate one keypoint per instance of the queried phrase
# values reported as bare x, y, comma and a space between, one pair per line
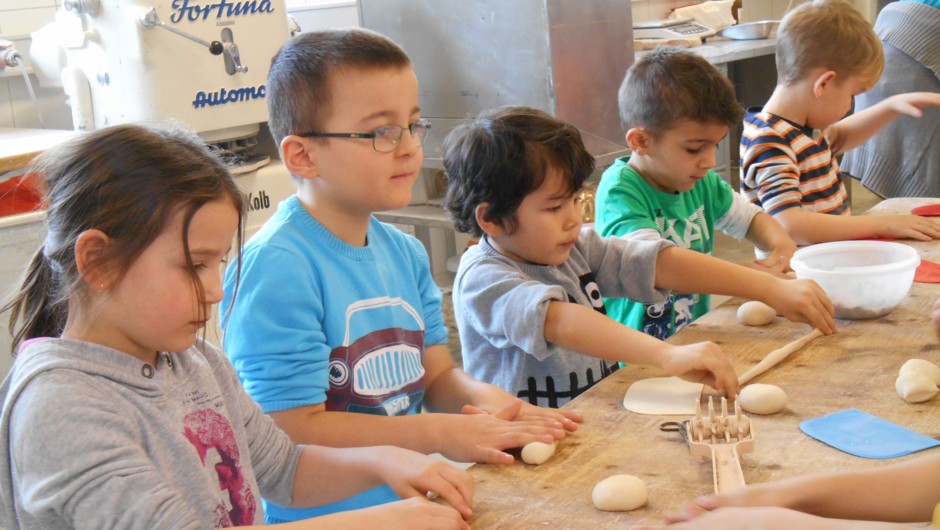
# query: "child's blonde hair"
828, 34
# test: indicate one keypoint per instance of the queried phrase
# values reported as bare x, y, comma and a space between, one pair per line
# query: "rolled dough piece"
776, 356
915, 388
762, 399
619, 493
663, 396
536, 453
921, 366
756, 313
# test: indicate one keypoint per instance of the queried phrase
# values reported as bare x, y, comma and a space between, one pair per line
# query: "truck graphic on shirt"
382, 371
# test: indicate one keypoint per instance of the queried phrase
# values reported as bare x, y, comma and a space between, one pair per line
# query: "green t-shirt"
627, 203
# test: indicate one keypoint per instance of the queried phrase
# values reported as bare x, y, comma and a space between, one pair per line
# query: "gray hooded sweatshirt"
95, 438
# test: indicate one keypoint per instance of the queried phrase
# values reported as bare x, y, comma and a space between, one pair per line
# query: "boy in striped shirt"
827, 53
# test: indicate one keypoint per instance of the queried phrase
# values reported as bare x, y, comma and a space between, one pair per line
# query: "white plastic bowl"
864, 279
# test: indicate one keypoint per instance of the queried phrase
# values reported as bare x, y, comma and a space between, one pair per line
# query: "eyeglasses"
384, 139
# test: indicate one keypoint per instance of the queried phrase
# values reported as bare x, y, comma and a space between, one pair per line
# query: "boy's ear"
91, 259
822, 82
490, 228
639, 140
298, 158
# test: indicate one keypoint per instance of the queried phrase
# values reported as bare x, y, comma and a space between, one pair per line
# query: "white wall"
322, 14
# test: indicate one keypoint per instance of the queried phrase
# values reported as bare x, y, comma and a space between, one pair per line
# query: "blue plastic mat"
861, 434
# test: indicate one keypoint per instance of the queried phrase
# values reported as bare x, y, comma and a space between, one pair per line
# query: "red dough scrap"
927, 272
930, 210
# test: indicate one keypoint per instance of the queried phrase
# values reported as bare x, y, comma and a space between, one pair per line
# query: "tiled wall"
17, 19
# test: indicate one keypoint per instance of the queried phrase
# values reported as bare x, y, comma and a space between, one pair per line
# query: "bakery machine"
203, 63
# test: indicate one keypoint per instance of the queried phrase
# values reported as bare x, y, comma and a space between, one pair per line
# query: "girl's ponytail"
37, 309
126, 181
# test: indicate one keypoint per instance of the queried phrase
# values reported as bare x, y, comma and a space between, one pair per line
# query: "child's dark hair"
127, 181
671, 84
299, 93
504, 155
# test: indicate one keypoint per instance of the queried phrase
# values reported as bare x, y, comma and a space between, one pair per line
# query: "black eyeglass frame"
374, 134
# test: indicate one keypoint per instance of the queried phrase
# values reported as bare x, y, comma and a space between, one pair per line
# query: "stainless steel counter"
719, 50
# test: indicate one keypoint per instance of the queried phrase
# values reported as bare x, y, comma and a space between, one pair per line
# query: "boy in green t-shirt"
675, 107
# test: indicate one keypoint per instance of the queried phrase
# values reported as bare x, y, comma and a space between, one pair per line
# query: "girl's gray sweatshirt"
95, 438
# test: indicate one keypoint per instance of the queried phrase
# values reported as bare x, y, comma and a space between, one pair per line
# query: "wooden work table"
855, 368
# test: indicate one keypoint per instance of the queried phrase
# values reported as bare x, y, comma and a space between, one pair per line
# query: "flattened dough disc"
663, 396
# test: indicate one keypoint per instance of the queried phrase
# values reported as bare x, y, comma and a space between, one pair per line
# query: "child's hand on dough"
412, 474
702, 362
479, 436
414, 513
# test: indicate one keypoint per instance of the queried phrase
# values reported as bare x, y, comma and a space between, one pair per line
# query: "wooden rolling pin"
774, 357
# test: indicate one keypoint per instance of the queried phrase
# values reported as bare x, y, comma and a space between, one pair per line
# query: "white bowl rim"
912, 260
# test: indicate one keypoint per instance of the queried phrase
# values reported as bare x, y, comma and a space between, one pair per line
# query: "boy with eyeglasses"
336, 329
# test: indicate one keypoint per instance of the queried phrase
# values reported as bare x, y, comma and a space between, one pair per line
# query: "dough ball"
915, 387
762, 399
619, 493
922, 366
537, 452
756, 313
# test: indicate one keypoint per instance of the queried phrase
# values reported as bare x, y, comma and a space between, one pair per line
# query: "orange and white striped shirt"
784, 165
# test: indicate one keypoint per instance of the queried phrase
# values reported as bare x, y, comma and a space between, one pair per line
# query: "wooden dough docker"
721, 438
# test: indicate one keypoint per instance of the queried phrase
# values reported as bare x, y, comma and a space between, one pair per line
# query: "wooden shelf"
18, 147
